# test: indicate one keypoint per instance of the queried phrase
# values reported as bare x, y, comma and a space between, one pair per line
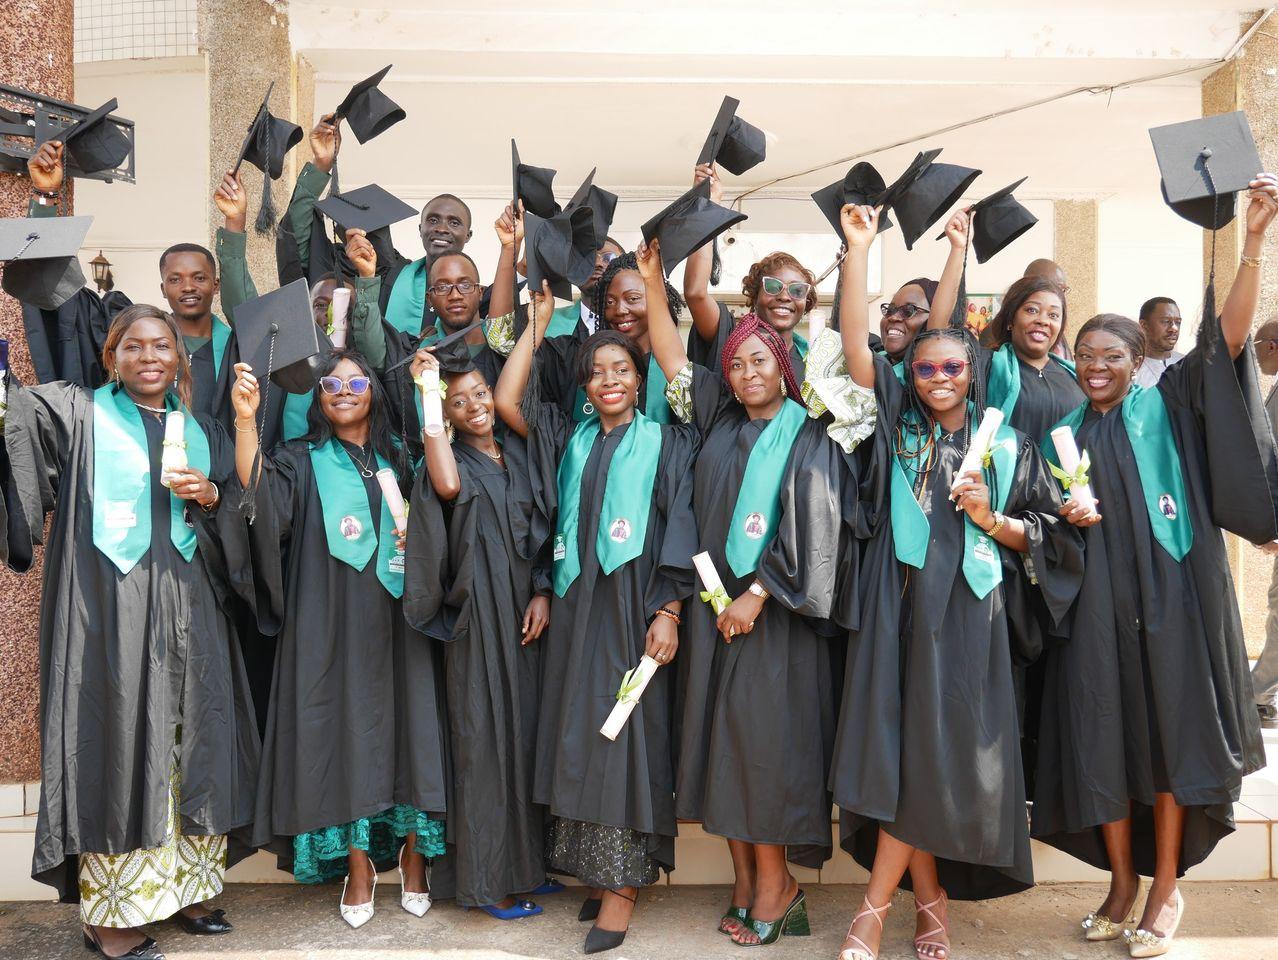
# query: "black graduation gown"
355, 723
467, 584
708, 353
928, 742
66, 343
1046, 396
124, 658
598, 631
1152, 692
556, 367
758, 715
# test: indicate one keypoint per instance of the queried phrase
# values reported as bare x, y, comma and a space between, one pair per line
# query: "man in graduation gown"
473, 579
188, 282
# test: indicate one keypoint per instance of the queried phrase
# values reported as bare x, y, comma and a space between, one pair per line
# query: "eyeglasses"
334, 385
906, 311
798, 290
464, 287
926, 369
607, 257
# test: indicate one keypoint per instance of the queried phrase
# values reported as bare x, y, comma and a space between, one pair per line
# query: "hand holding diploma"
426, 375
714, 593
1080, 508
633, 684
339, 313
394, 500
173, 452
979, 448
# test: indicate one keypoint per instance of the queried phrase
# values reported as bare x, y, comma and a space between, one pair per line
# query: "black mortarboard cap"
268, 141
929, 196
369, 111
42, 265
278, 336
688, 224
560, 249
601, 203
917, 166
999, 219
96, 143
368, 208
533, 185
732, 143
1203, 164
453, 356
862, 185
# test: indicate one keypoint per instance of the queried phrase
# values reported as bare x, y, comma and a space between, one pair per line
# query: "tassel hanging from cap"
1209, 327
530, 402
248, 502
266, 213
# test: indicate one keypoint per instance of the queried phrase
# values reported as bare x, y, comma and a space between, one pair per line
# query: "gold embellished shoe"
1142, 943
1097, 927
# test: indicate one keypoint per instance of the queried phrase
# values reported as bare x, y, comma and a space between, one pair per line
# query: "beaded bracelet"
669, 614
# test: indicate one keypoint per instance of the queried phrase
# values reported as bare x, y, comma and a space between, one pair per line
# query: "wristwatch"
758, 590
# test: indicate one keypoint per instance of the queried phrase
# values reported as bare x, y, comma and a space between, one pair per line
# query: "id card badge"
396, 562
120, 515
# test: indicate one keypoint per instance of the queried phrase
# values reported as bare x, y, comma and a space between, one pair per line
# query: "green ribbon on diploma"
627, 692
1079, 477
717, 598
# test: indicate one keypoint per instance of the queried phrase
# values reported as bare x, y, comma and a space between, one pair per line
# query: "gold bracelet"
249, 429
999, 521
1252, 261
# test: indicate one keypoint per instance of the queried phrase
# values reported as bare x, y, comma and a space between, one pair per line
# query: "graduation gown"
598, 631
66, 343
467, 583
1152, 692
124, 657
928, 742
355, 722
1045, 395
758, 715
708, 353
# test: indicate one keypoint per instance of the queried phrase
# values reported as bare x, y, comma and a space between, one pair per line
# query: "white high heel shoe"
358, 914
1142, 943
415, 903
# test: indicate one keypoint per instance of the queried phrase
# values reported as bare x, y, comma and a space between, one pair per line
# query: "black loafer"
148, 949
206, 926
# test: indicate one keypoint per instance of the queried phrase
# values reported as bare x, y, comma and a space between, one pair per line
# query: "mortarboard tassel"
1209, 327
248, 502
266, 214
716, 263
530, 402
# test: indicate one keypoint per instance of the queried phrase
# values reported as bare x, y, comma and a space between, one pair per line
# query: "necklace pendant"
365, 472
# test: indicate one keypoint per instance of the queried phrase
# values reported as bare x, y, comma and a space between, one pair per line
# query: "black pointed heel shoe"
209, 925
589, 911
598, 940
148, 949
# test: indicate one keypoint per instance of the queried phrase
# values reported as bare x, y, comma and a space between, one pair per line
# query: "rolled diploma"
173, 450
432, 403
340, 305
816, 323
621, 712
394, 499
992, 420
709, 575
1067, 452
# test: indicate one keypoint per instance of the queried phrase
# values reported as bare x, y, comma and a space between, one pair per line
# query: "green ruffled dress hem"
321, 855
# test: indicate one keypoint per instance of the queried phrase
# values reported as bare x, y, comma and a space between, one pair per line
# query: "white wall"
167, 99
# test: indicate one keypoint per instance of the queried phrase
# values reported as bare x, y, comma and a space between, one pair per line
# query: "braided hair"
915, 430
628, 261
750, 325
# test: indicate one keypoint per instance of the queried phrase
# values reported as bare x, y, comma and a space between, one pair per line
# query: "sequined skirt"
601, 856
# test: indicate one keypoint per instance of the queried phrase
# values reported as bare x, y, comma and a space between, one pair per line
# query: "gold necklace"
365, 468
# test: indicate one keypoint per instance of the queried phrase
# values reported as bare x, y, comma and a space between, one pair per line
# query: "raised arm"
244, 399
326, 139
514, 375
441, 464
232, 258
696, 269
510, 233
46, 172
942, 306
860, 224
364, 320
1244, 295
667, 345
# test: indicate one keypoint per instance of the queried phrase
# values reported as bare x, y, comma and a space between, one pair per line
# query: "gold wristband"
999, 522
1252, 261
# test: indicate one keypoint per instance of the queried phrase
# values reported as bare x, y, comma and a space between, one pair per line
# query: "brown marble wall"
1076, 241
246, 46
38, 49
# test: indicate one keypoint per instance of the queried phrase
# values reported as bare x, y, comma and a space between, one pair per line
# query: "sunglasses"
608, 257
464, 287
906, 311
926, 369
798, 290
334, 385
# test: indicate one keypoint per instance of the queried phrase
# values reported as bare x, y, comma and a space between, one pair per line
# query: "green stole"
911, 530
564, 320
219, 337
800, 345
623, 520
348, 521
1157, 461
122, 479
296, 407
759, 496
1004, 388
407, 303
657, 407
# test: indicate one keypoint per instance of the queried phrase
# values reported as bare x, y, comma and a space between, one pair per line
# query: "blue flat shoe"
550, 886
519, 910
